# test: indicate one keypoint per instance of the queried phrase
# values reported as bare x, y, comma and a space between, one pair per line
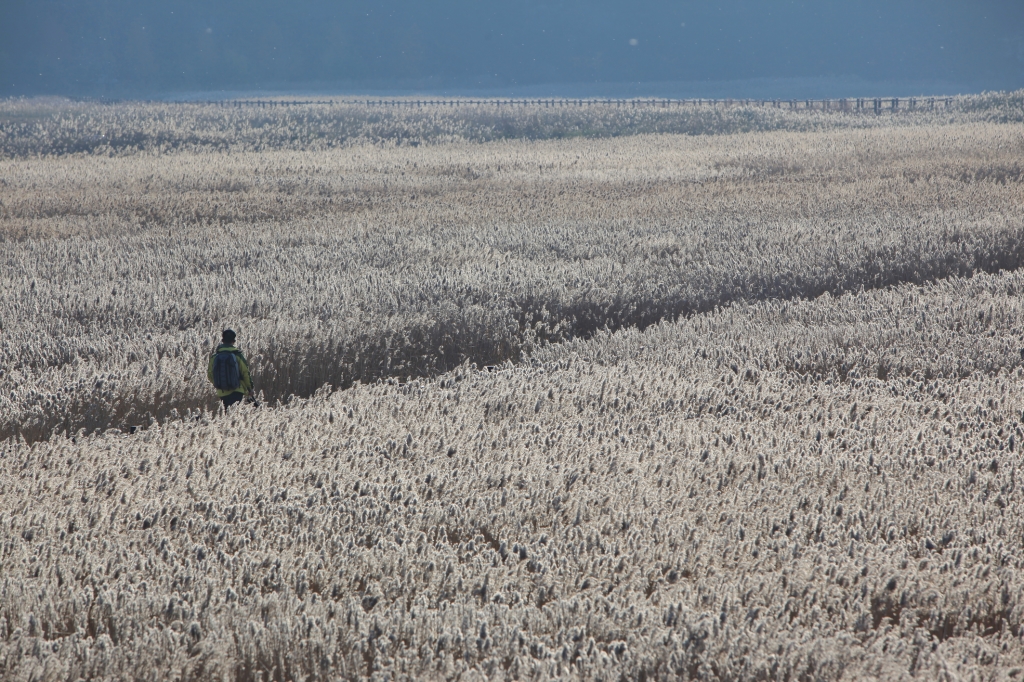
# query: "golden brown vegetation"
708, 477
708, 499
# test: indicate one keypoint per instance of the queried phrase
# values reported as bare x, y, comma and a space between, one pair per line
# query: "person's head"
228, 337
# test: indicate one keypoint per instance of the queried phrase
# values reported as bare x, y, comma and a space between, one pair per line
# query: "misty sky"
157, 48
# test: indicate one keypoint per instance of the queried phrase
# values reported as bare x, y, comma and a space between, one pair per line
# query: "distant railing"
859, 104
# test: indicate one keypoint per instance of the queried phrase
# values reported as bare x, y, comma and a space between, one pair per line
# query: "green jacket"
243, 368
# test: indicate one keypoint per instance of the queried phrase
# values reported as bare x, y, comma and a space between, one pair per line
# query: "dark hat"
227, 336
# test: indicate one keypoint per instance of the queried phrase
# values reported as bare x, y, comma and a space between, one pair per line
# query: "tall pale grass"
738, 495
709, 476
365, 263
41, 126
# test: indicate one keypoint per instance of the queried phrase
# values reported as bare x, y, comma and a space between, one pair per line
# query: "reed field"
41, 126
588, 397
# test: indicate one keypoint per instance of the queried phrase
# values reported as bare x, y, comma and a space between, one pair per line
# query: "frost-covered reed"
739, 495
709, 477
367, 262
48, 126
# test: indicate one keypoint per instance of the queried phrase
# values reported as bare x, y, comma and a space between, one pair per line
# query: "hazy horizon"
735, 48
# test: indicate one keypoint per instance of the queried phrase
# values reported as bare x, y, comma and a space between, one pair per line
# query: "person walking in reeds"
229, 371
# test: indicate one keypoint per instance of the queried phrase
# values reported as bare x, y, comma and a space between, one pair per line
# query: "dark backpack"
226, 376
